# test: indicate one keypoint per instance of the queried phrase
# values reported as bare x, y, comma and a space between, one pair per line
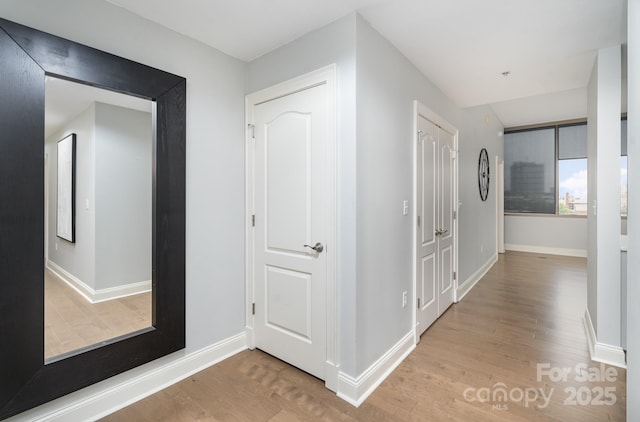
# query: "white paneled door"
290, 231
436, 207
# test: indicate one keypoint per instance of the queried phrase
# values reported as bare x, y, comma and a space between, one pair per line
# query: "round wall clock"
483, 174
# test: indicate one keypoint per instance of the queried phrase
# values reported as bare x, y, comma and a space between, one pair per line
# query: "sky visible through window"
572, 177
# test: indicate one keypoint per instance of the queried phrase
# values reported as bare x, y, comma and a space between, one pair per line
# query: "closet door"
435, 261
427, 289
446, 227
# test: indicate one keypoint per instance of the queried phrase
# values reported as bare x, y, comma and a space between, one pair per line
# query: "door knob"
440, 232
317, 247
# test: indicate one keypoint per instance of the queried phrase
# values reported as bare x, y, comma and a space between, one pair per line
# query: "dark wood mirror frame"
26, 57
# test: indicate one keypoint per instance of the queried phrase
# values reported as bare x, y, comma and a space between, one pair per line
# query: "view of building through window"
572, 182
572, 177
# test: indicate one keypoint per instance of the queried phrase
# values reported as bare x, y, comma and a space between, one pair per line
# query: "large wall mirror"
107, 294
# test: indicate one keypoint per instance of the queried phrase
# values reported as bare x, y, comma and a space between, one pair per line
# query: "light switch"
405, 207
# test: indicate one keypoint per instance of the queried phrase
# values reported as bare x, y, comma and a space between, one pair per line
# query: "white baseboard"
470, 282
601, 352
582, 253
114, 398
356, 390
100, 295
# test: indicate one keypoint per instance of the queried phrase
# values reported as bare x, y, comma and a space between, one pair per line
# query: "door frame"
325, 75
420, 109
499, 205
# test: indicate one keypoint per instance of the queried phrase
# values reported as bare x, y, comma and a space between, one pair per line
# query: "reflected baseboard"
100, 295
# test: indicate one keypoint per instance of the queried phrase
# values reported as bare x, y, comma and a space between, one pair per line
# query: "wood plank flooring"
526, 311
72, 322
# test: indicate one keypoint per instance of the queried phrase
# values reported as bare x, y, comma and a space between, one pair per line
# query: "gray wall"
477, 224
553, 233
387, 84
123, 176
604, 198
77, 258
633, 228
592, 194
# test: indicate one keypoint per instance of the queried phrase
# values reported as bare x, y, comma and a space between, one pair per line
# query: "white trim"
470, 282
356, 390
589, 330
582, 253
100, 295
326, 75
601, 352
499, 204
414, 225
105, 402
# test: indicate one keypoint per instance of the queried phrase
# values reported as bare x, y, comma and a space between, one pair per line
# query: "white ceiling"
463, 46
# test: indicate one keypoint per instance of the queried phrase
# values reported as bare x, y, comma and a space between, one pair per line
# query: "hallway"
479, 362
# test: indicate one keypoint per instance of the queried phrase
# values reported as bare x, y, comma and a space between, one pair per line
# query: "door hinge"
418, 303
454, 275
253, 220
455, 215
419, 137
418, 221
252, 128
253, 308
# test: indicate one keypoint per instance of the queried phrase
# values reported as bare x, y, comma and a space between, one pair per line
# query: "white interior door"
427, 242
446, 225
290, 196
436, 206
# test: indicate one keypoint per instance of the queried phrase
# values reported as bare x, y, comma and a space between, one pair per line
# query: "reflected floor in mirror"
72, 322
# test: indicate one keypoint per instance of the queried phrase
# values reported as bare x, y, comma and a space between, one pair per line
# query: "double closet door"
435, 272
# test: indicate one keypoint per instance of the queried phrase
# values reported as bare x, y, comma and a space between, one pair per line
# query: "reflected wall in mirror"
98, 287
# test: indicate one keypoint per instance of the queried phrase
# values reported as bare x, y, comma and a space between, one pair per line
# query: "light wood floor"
72, 322
526, 310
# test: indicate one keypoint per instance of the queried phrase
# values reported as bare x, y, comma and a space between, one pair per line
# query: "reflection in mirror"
98, 287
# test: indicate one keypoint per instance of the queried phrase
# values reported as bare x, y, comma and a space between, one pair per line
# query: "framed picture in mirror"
66, 192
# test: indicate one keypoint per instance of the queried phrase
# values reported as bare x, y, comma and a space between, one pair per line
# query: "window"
572, 170
546, 170
529, 171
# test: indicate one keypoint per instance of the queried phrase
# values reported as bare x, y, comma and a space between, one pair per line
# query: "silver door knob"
441, 232
317, 247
